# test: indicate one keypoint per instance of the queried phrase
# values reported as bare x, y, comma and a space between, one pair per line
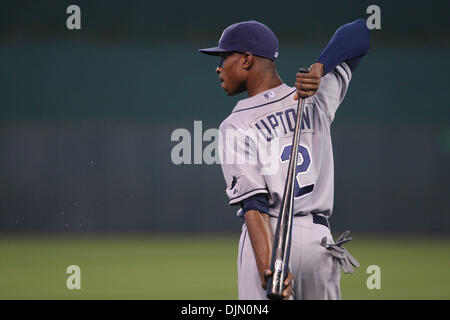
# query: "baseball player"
248, 51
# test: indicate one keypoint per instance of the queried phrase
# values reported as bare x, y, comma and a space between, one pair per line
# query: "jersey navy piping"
264, 104
247, 193
344, 70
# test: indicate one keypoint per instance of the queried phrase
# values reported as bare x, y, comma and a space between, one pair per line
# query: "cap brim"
215, 51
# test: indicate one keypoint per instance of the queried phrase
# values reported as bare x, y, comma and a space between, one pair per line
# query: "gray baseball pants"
316, 273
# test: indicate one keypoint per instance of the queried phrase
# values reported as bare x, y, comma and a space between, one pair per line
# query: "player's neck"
263, 82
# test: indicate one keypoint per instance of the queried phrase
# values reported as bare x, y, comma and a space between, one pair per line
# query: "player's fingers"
288, 286
288, 280
306, 87
264, 284
308, 76
296, 95
302, 79
287, 293
305, 94
310, 91
307, 82
267, 273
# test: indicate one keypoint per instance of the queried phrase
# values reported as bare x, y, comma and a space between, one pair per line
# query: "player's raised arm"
334, 66
349, 44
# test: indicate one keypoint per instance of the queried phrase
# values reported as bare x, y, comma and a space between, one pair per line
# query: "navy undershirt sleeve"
258, 202
349, 44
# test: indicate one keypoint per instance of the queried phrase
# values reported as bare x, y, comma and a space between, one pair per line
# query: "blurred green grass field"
200, 267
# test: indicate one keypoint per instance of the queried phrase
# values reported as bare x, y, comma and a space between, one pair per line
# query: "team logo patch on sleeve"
233, 182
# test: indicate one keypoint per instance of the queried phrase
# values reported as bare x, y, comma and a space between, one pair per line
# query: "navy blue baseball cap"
251, 36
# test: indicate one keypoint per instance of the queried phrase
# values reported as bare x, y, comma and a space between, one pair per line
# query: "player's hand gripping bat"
283, 234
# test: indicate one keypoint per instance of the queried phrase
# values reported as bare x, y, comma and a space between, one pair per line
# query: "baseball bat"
281, 249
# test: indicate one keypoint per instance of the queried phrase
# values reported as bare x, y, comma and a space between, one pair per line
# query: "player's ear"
247, 60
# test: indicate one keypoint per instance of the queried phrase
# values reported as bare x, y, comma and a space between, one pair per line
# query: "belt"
319, 219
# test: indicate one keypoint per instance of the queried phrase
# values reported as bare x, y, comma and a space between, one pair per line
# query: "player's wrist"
318, 66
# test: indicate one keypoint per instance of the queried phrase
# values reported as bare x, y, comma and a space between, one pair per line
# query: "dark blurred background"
86, 115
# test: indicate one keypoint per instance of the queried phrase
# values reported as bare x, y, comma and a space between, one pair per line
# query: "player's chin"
232, 91
228, 91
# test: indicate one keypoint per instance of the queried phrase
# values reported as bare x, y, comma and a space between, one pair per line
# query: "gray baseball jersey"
271, 115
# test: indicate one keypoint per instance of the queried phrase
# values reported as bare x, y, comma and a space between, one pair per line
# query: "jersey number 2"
302, 167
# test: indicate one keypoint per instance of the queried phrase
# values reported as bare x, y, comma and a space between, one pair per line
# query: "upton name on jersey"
270, 126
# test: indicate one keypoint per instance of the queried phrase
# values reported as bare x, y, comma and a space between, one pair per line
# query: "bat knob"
303, 70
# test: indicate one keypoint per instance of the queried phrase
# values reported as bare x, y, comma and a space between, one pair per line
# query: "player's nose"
218, 69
